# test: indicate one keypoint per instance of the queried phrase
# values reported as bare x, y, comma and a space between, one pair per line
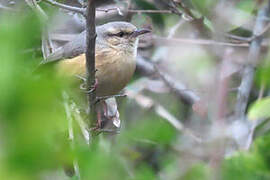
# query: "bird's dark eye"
120, 34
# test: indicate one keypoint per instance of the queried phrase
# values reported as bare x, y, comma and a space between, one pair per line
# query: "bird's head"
120, 35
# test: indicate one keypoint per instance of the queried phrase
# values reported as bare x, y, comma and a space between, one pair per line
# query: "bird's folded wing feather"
72, 49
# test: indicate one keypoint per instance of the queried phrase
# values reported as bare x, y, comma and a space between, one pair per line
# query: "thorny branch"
90, 60
253, 58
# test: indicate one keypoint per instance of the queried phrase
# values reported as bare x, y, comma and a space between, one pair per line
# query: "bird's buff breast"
114, 70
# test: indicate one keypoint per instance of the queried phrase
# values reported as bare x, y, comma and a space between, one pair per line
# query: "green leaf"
197, 171
248, 6
263, 73
244, 166
208, 24
259, 109
204, 6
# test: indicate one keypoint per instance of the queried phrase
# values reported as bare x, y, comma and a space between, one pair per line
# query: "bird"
115, 56
115, 63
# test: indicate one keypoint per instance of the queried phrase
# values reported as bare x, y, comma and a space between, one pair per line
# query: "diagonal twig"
179, 89
81, 11
208, 42
147, 102
253, 58
68, 110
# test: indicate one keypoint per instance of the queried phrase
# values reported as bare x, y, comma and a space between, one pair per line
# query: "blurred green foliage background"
33, 124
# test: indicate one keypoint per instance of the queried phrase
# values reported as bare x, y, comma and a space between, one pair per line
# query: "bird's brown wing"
76, 65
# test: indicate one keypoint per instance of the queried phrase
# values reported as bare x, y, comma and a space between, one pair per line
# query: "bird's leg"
82, 86
105, 108
94, 87
99, 119
98, 125
99, 115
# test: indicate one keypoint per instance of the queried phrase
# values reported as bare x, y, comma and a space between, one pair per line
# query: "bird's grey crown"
114, 27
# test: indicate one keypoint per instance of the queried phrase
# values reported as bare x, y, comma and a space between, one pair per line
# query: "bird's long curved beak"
140, 32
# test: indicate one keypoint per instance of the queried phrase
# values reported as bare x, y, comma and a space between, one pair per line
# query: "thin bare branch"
135, 11
179, 89
67, 7
264, 30
175, 28
83, 10
90, 60
237, 38
253, 58
172, 41
69, 111
78, 118
147, 102
150, 11
111, 9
